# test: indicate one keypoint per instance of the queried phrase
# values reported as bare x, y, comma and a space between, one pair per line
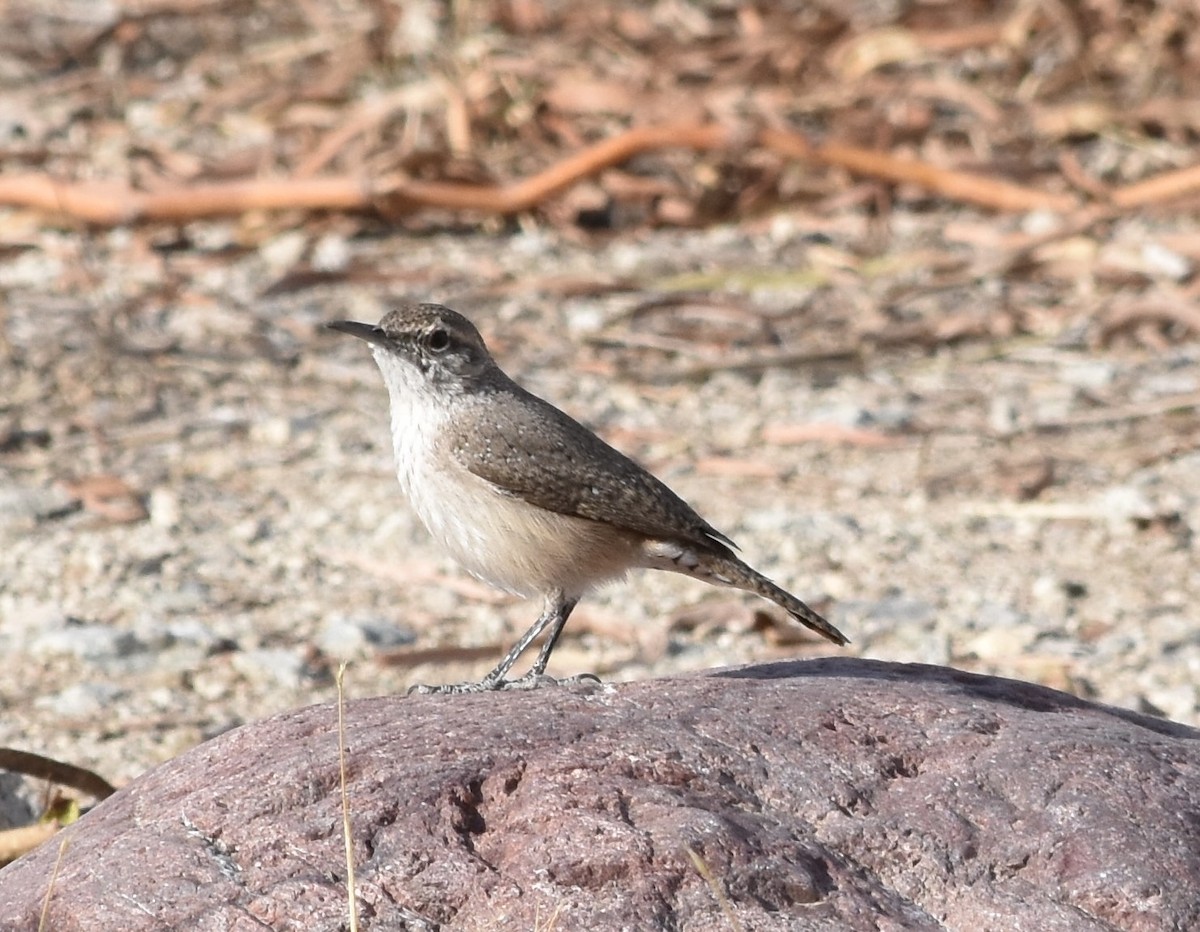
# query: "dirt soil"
893, 492
969, 438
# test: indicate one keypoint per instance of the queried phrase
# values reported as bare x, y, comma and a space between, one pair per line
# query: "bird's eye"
438, 340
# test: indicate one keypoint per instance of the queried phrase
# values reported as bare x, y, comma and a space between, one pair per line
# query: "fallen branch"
524, 195
1167, 186
55, 771
967, 187
114, 204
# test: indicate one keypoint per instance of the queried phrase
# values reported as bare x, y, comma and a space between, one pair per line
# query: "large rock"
827, 795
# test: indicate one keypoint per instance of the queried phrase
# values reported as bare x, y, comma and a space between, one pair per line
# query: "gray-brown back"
531, 449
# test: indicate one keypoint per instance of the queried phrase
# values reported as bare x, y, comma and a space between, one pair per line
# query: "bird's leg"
554, 616
559, 610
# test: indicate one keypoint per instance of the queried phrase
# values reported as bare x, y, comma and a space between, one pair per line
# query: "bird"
526, 498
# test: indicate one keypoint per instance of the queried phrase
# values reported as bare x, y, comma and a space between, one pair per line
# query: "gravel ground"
1023, 505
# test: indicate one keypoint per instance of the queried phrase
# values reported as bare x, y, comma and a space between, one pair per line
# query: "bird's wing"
551, 460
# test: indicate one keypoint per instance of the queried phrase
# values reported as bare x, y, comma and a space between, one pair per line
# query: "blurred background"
947, 392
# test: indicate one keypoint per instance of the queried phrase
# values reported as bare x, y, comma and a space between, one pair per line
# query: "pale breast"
513, 545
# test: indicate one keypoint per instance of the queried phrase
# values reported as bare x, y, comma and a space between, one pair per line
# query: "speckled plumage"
523, 495
552, 461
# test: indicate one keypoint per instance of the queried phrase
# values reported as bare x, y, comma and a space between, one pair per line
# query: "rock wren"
523, 496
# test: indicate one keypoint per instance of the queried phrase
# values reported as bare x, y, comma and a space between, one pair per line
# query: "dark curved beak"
369, 332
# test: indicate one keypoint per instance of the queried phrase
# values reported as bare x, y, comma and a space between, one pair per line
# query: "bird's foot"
533, 680
449, 689
529, 681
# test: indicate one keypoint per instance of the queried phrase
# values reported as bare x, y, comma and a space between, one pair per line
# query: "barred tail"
728, 570
760, 585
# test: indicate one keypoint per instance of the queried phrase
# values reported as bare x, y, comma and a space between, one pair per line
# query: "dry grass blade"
62, 848
347, 834
705, 872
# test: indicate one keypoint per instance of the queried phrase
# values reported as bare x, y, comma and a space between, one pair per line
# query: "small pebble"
80, 700
95, 643
348, 637
277, 665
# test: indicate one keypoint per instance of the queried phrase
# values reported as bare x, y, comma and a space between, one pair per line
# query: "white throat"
418, 419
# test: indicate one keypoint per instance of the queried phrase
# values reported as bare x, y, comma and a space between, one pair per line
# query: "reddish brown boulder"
828, 795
